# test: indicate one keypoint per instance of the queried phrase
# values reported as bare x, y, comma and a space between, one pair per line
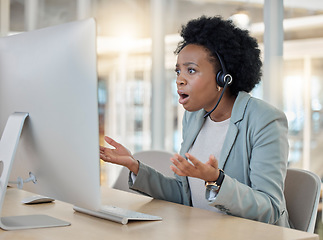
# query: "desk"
179, 222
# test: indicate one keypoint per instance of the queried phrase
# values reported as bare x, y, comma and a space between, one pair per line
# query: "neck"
224, 109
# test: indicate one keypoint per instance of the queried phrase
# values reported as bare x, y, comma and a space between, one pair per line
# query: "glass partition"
125, 65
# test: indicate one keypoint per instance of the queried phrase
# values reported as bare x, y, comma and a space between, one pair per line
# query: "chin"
192, 109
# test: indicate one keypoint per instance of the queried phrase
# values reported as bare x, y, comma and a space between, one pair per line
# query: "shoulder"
255, 109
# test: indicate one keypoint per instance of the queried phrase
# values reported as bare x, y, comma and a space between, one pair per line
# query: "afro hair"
238, 50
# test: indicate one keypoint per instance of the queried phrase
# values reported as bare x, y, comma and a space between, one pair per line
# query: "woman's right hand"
119, 155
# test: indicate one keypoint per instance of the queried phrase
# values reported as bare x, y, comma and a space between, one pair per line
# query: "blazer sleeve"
154, 184
261, 198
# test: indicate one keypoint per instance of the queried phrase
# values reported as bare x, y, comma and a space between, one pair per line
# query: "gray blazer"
254, 158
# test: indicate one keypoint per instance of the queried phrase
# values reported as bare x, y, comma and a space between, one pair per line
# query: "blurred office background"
138, 102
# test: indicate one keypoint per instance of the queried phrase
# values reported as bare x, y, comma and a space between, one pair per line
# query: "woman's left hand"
208, 171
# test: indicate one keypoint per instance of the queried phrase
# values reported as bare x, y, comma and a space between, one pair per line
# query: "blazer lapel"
237, 115
192, 131
228, 144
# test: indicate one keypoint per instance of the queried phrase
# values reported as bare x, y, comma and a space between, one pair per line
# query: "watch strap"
220, 178
218, 182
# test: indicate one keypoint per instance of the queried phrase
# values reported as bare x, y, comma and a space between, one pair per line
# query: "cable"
224, 88
20, 182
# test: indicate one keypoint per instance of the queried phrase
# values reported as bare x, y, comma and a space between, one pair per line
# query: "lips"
183, 97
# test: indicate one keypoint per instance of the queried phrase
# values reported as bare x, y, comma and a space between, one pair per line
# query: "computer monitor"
51, 74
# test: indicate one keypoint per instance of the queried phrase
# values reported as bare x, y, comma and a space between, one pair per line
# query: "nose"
180, 80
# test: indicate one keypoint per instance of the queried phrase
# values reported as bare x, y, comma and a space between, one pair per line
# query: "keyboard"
117, 214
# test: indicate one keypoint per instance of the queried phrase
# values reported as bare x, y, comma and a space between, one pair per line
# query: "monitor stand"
8, 145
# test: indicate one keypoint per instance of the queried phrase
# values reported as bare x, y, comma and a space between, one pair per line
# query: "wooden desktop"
179, 222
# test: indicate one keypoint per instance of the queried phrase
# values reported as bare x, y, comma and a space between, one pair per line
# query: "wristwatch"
215, 186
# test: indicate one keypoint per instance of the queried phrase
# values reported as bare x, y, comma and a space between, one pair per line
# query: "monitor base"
8, 145
30, 221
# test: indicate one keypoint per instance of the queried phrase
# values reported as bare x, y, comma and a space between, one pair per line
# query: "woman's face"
196, 79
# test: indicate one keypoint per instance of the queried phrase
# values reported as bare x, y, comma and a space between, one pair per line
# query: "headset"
223, 79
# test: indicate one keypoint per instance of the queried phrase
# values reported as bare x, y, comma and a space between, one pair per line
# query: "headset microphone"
223, 79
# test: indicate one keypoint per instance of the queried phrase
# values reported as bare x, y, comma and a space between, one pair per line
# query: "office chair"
158, 160
302, 193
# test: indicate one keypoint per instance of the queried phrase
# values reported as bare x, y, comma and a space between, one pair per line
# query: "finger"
177, 171
183, 166
194, 160
175, 161
102, 148
104, 157
179, 161
180, 158
110, 158
106, 151
212, 161
111, 142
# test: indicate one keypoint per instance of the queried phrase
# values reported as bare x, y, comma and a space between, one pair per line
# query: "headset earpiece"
223, 77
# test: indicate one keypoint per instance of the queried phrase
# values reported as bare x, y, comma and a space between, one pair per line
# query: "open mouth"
183, 97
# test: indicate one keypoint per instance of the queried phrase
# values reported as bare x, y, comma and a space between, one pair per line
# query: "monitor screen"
51, 74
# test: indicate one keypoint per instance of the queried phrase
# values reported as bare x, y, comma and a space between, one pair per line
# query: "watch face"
211, 187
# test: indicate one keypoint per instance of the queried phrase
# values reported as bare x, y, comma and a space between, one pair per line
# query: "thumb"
212, 161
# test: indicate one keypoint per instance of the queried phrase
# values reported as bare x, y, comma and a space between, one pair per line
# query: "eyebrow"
188, 63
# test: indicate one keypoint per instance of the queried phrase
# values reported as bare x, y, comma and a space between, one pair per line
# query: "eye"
191, 70
177, 71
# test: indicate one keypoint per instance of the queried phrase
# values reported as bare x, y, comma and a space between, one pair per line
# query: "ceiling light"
241, 18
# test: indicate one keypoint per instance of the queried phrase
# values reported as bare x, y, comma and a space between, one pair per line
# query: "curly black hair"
239, 51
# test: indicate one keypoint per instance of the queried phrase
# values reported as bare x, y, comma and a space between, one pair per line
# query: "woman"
233, 157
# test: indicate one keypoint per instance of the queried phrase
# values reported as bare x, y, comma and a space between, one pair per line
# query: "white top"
209, 141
